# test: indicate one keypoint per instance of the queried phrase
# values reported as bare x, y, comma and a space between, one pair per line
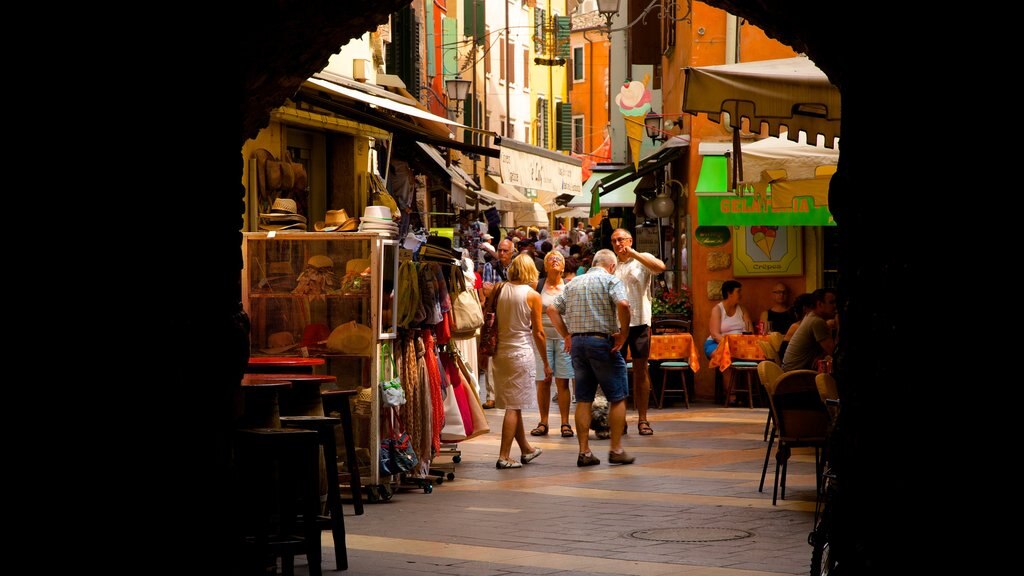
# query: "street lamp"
456, 89
608, 9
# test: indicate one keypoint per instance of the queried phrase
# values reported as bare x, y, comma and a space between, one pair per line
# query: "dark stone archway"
276, 44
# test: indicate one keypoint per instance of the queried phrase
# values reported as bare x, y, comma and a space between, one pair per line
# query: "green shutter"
468, 28
450, 47
564, 126
563, 27
538, 31
577, 64
429, 26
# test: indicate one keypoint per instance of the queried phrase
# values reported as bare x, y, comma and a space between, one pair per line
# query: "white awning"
620, 197
380, 101
509, 193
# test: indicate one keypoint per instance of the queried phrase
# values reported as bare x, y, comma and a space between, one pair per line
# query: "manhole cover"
691, 534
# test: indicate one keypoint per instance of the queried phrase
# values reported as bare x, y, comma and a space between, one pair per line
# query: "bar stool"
338, 401
744, 372
262, 408
324, 427
674, 366
277, 468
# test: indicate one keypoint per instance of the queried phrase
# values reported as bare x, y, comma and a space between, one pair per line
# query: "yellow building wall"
547, 81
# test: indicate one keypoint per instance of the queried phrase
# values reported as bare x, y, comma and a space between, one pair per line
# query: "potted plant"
672, 303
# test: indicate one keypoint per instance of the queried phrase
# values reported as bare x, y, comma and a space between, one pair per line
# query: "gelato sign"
772, 202
528, 166
634, 101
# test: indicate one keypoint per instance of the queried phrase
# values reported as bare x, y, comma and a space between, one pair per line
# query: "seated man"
813, 339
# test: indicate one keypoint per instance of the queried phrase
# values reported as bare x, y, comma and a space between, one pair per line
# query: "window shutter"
564, 125
563, 27
538, 30
431, 41
450, 47
474, 22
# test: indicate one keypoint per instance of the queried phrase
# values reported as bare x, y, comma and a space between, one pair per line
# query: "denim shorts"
595, 364
710, 346
559, 361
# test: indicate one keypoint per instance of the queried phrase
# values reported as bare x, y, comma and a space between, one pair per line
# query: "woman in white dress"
519, 311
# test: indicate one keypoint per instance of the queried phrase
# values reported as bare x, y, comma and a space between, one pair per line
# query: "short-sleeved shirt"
637, 279
494, 272
588, 302
804, 346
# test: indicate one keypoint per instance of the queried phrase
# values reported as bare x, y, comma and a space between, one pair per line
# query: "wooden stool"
745, 371
338, 401
262, 409
674, 366
280, 467
324, 427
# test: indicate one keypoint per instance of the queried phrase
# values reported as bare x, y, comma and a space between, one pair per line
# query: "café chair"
801, 420
669, 325
743, 373
768, 371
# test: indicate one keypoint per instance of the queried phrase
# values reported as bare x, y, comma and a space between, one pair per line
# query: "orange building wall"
705, 49
590, 97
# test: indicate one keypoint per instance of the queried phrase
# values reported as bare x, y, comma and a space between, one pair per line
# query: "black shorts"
638, 342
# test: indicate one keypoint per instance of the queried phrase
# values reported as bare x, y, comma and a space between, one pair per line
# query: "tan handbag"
467, 314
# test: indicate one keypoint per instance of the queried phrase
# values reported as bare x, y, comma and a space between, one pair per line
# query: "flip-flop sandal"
540, 430
567, 431
645, 428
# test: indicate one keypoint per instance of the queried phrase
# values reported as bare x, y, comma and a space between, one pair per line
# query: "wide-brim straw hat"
333, 220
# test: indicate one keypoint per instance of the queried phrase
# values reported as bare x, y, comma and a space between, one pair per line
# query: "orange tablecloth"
737, 346
675, 346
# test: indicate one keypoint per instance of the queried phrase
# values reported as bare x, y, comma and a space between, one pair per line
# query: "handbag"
396, 453
467, 314
489, 329
391, 391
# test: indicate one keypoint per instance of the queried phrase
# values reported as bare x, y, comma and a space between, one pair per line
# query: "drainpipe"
590, 76
508, 85
732, 39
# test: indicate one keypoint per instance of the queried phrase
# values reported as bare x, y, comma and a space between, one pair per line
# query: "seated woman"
728, 317
778, 317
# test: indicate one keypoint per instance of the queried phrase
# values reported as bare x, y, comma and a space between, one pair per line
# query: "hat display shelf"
327, 295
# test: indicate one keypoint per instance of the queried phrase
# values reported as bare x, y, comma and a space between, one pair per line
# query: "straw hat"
351, 338
333, 220
279, 342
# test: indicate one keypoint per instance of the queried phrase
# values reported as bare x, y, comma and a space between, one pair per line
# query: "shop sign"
711, 236
526, 169
767, 251
770, 202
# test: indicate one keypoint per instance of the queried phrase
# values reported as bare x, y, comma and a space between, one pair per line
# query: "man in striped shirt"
595, 326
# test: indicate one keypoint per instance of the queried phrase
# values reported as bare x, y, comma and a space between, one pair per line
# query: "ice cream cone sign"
634, 101
764, 238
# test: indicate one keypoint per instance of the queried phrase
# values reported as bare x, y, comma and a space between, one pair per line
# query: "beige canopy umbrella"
790, 92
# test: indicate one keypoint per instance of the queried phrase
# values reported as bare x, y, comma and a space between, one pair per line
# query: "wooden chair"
743, 372
768, 371
669, 325
801, 420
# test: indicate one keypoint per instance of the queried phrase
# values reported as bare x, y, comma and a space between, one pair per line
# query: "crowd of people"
568, 311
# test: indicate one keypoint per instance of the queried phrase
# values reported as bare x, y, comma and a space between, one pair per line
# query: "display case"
328, 295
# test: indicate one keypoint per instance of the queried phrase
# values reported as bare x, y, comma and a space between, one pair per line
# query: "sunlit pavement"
689, 505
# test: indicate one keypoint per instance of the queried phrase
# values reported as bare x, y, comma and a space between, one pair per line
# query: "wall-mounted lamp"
653, 125
608, 9
456, 89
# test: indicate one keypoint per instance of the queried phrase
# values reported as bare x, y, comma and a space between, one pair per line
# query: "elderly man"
636, 269
597, 310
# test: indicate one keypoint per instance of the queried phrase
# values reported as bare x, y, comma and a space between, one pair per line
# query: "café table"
734, 348
674, 351
262, 408
279, 364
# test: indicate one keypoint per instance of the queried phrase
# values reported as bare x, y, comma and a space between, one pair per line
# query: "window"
504, 125
577, 134
526, 69
542, 122
526, 132
510, 53
577, 64
487, 55
502, 60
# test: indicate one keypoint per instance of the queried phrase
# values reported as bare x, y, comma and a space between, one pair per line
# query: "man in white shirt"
636, 269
